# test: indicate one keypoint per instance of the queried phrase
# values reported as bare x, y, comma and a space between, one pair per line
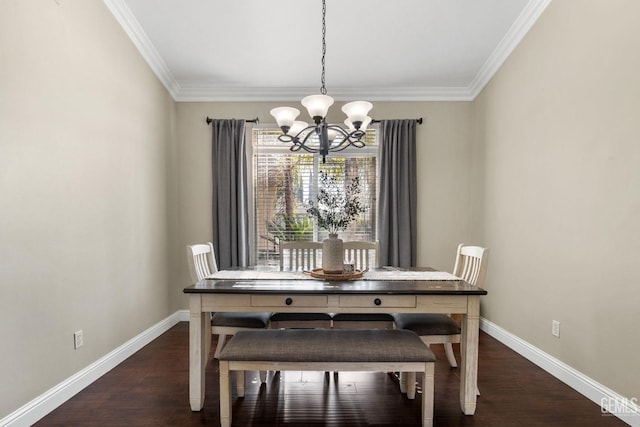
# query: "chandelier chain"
323, 89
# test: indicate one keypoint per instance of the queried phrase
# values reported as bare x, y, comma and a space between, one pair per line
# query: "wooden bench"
325, 350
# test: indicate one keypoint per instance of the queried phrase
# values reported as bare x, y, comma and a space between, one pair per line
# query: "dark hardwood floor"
151, 389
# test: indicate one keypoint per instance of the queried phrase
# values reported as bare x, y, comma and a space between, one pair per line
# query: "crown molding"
221, 94
132, 27
212, 93
507, 45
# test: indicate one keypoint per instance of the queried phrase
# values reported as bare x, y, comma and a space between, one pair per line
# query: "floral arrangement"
336, 206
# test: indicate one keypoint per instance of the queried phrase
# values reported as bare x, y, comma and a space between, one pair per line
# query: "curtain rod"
256, 120
419, 121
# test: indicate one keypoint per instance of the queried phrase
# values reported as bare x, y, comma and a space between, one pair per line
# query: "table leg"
469, 355
197, 351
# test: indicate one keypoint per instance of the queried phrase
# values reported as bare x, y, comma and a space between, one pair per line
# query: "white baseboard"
626, 409
33, 411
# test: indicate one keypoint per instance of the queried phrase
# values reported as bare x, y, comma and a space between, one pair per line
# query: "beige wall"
559, 129
444, 160
87, 192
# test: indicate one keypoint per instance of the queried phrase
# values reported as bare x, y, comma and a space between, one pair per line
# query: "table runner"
382, 275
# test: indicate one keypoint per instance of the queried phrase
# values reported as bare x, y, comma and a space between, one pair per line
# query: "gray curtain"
398, 194
230, 211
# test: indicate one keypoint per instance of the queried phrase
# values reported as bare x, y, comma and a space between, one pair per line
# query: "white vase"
332, 255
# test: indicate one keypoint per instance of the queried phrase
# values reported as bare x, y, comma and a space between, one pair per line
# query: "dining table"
383, 290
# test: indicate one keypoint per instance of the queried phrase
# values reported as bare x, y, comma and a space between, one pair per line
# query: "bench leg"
225, 394
427, 395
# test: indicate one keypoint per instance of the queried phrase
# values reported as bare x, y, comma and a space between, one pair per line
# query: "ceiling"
258, 50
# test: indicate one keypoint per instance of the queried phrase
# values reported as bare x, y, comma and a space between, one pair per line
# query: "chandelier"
322, 137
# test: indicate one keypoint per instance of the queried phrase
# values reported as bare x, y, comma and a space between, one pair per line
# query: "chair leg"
411, 385
221, 340
402, 379
240, 383
448, 349
263, 377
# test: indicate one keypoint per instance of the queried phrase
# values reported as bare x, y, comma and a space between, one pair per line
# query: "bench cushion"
326, 345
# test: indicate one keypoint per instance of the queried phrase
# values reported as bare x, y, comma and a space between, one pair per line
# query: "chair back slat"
471, 264
202, 262
300, 255
363, 254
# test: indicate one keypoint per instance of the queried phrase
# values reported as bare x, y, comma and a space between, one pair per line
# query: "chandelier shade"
363, 126
285, 116
317, 106
322, 137
357, 111
297, 127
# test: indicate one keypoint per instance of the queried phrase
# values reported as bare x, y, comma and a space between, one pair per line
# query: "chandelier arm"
308, 128
358, 144
298, 147
346, 144
302, 143
286, 138
355, 138
339, 148
349, 138
338, 129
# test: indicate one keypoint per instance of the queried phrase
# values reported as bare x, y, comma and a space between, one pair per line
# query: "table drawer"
389, 301
289, 301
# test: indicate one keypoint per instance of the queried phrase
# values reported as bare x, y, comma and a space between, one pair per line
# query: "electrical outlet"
78, 339
555, 328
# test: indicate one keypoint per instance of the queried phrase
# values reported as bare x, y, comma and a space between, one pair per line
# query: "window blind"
285, 182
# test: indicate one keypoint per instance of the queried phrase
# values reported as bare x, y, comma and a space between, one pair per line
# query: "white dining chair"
299, 255
302, 256
364, 255
202, 264
471, 266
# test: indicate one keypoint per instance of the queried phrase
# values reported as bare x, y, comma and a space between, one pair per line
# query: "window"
285, 181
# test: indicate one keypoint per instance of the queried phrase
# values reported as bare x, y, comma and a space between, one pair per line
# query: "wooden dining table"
378, 291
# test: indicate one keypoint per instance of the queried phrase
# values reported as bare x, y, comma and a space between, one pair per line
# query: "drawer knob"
377, 301
288, 301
